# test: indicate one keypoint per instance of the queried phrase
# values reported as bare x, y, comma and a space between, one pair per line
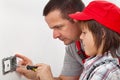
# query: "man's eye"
57, 27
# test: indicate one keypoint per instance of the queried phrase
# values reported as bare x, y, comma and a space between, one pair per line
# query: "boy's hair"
64, 6
112, 38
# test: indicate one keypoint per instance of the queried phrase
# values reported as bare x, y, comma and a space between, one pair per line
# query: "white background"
23, 30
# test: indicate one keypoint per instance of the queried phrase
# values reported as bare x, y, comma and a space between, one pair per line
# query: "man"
64, 28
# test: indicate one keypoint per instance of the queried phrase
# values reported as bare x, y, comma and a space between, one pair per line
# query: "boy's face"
63, 29
88, 42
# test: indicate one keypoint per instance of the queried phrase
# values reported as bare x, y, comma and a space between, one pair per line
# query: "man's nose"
56, 34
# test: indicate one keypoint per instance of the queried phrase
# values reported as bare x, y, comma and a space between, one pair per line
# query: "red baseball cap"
104, 12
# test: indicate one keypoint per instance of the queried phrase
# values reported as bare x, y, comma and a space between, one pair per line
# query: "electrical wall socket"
9, 64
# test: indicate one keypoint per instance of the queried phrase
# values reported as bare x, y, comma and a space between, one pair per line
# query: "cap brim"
80, 16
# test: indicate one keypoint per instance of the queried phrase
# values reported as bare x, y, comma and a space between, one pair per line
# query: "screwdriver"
33, 68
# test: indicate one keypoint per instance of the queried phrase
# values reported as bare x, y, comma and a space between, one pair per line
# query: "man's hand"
44, 72
22, 67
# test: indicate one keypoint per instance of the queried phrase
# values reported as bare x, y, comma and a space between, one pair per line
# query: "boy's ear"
103, 33
75, 20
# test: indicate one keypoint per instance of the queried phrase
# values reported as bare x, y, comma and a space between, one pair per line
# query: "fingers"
43, 68
25, 60
44, 72
21, 70
27, 73
22, 57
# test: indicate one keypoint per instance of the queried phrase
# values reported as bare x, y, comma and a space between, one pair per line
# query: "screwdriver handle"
31, 67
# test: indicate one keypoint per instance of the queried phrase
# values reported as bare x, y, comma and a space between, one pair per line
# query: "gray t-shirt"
72, 62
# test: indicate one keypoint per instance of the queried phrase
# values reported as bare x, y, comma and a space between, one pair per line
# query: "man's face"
63, 29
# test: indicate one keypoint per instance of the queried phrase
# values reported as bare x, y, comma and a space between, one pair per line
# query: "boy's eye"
83, 32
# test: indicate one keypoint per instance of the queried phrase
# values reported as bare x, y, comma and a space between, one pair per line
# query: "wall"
23, 30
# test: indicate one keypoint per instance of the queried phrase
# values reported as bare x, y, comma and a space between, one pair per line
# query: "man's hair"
64, 6
112, 38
